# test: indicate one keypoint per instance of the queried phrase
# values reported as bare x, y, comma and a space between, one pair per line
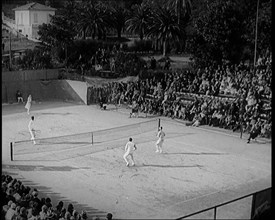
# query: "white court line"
244, 136
212, 193
192, 145
194, 198
209, 130
200, 128
196, 146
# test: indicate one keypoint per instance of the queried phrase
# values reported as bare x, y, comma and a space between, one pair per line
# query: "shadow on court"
61, 143
44, 192
177, 134
201, 153
148, 116
53, 113
42, 168
169, 166
261, 141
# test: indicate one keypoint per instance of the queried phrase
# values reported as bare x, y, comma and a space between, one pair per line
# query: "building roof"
34, 7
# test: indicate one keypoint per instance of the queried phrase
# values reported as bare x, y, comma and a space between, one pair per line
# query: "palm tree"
164, 27
69, 13
92, 20
139, 20
118, 18
182, 8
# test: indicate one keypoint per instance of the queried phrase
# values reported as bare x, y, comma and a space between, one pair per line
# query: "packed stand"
225, 96
20, 202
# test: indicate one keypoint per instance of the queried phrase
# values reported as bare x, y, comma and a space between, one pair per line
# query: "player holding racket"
31, 129
130, 147
160, 140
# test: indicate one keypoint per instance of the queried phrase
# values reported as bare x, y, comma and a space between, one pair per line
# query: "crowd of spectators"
224, 95
20, 202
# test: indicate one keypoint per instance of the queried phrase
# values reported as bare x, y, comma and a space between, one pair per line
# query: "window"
35, 18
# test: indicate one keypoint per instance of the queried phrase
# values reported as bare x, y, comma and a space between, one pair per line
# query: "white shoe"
157, 151
127, 164
160, 151
133, 164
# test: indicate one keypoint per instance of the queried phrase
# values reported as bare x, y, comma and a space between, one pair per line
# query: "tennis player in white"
160, 140
130, 147
28, 104
31, 129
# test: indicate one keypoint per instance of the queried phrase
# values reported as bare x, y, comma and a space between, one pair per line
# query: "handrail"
222, 204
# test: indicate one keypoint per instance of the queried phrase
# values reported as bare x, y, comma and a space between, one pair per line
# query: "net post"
11, 150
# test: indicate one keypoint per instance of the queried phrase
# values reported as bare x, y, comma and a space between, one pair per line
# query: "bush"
128, 64
87, 48
141, 46
35, 59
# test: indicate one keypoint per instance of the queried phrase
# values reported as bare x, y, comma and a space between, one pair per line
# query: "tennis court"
200, 167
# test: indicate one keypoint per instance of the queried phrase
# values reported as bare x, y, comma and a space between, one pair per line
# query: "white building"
28, 17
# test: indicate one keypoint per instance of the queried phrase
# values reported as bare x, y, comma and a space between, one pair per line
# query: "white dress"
28, 104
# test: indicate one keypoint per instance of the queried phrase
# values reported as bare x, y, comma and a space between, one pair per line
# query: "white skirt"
28, 105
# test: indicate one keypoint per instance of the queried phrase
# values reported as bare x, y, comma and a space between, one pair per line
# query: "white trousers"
126, 155
32, 135
159, 144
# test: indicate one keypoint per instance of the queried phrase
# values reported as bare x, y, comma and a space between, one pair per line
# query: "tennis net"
67, 146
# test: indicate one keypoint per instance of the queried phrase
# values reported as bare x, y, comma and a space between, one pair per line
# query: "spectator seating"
217, 96
20, 202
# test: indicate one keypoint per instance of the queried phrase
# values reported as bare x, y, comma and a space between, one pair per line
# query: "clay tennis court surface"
200, 167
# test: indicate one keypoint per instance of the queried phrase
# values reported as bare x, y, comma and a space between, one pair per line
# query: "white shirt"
161, 134
130, 147
31, 126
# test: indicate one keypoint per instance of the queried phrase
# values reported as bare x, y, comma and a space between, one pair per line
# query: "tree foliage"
139, 20
264, 23
92, 20
182, 8
223, 30
119, 16
35, 59
164, 27
218, 29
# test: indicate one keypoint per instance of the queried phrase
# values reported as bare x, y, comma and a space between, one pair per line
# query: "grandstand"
211, 167
204, 170
200, 168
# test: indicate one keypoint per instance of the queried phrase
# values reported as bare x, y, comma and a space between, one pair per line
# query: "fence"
258, 199
29, 75
23, 81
